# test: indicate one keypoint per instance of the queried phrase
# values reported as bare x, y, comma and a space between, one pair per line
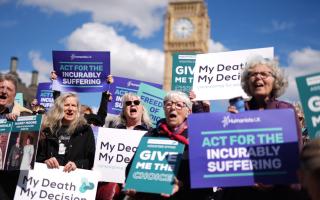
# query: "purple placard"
45, 95
81, 71
243, 149
119, 87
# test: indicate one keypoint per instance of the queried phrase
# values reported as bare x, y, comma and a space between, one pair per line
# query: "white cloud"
277, 26
144, 16
127, 59
216, 46
281, 26
42, 66
301, 62
3, 1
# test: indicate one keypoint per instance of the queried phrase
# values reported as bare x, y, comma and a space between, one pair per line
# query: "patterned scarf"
174, 135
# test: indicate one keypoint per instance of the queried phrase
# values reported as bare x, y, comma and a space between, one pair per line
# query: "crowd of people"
67, 138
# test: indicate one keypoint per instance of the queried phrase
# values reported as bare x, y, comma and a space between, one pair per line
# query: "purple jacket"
276, 104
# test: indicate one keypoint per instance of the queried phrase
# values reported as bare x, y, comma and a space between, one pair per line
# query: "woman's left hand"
70, 166
174, 190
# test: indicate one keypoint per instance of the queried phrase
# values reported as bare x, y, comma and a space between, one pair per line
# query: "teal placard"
152, 99
27, 123
5, 126
309, 92
182, 71
19, 98
155, 165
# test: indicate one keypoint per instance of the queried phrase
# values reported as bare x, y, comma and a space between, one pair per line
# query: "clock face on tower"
183, 28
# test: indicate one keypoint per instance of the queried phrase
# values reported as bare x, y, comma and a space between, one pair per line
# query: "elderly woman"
67, 138
177, 108
264, 81
310, 168
135, 117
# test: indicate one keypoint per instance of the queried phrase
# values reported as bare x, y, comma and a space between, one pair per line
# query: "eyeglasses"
38, 112
263, 75
179, 105
135, 102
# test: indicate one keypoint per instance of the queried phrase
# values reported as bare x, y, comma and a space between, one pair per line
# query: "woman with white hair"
133, 116
67, 139
177, 107
264, 82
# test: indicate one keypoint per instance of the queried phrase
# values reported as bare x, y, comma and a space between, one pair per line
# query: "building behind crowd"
29, 92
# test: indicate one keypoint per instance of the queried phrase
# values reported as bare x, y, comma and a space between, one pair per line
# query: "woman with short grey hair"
280, 82
264, 81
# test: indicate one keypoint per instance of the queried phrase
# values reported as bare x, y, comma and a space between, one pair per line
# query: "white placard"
114, 150
217, 75
44, 183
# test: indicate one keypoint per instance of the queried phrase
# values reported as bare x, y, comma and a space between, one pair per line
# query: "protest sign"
25, 131
5, 129
152, 99
19, 98
217, 75
155, 165
243, 149
114, 150
182, 71
44, 183
81, 71
309, 91
121, 86
45, 95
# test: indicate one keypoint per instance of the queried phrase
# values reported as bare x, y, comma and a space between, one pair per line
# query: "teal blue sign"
152, 99
27, 123
182, 71
5, 126
309, 92
19, 98
155, 165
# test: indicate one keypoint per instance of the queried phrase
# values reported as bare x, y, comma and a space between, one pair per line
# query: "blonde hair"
56, 115
145, 119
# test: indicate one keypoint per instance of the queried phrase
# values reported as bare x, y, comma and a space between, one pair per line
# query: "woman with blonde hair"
67, 138
133, 114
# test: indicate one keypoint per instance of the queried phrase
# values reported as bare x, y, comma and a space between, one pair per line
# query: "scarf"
175, 135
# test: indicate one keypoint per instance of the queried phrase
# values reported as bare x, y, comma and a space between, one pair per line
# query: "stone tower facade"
187, 29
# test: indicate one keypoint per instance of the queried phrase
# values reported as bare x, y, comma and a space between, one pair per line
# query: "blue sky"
133, 32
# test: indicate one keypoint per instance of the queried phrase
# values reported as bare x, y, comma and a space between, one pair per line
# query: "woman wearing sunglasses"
134, 117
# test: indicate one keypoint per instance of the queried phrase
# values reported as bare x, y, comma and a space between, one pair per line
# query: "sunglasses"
39, 112
135, 102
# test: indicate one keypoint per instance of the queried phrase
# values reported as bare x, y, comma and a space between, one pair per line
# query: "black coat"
80, 149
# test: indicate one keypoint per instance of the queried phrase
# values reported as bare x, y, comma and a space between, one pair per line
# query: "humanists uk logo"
228, 120
73, 56
85, 185
132, 84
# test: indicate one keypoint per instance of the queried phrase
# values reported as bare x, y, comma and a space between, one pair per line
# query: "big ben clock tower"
187, 29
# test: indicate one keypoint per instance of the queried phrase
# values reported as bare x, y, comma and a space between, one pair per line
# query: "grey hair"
280, 81
56, 114
9, 77
174, 95
145, 119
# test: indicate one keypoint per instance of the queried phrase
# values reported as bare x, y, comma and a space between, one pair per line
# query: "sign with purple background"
121, 86
243, 149
81, 71
45, 95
